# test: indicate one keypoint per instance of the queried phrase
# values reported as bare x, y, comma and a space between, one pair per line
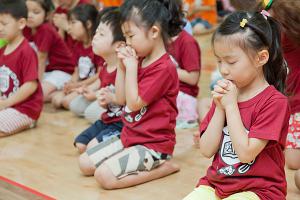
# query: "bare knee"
105, 178
66, 103
292, 157
81, 147
297, 179
86, 166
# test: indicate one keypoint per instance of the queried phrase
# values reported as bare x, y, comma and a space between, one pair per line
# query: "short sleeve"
190, 56
44, 39
156, 83
271, 120
204, 123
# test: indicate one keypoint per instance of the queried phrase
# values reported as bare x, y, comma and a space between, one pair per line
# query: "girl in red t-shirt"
82, 27
56, 63
147, 85
21, 97
246, 127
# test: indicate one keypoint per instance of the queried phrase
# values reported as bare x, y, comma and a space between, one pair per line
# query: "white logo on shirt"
85, 67
5, 75
135, 118
230, 157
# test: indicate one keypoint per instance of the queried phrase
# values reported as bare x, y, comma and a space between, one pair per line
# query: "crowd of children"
132, 70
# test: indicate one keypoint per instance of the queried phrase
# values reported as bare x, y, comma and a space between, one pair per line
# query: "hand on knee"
86, 166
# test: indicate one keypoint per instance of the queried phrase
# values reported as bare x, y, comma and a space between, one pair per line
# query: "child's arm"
24, 92
120, 86
42, 58
190, 78
246, 148
211, 138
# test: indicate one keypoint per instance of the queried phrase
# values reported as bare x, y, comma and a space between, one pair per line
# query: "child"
82, 27
147, 84
247, 124
107, 38
185, 52
55, 60
21, 97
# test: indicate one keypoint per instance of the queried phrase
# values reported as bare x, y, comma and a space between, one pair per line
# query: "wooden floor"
45, 159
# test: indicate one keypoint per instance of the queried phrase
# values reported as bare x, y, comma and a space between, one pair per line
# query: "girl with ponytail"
246, 127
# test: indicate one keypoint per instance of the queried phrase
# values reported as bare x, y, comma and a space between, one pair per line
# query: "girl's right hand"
128, 56
218, 92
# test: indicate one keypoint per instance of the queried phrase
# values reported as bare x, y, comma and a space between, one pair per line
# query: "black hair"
85, 13
257, 34
167, 13
112, 17
47, 5
16, 8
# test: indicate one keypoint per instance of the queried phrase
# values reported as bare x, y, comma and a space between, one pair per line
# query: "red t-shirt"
153, 126
186, 52
46, 39
17, 68
266, 117
114, 111
291, 52
86, 61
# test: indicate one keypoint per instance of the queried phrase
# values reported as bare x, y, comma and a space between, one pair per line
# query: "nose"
223, 70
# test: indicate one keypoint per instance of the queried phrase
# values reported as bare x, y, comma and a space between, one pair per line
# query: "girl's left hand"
128, 56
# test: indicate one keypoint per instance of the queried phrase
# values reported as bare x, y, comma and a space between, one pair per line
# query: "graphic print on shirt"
128, 114
113, 110
85, 67
229, 156
5, 75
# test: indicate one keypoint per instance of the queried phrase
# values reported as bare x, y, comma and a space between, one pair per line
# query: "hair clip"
265, 14
243, 23
267, 4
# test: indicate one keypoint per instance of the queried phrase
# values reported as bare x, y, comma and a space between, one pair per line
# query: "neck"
111, 61
158, 50
253, 89
12, 45
86, 41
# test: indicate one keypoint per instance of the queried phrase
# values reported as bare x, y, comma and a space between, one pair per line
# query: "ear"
22, 23
262, 57
89, 24
154, 32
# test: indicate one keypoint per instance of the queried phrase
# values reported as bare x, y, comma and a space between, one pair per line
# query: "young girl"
21, 97
107, 38
82, 27
55, 60
147, 84
247, 124
185, 52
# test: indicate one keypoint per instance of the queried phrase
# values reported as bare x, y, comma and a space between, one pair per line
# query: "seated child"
56, 63
82, 27
21, 98
108, 36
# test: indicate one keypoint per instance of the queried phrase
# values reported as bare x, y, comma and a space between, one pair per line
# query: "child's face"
102, 41
234, 64
76, 29
137, 38
36, 14
10, 27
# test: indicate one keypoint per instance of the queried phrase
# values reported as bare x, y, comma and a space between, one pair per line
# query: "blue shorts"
100, 131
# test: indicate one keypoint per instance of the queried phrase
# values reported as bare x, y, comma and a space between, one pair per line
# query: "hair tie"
267, 4
265, 14
243, 23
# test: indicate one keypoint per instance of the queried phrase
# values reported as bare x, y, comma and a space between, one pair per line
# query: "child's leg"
93, 112
133, 166
12, 122
95, 156
202, 192
48, 89
57, 98
297, 179
78, 105
68, 98
292, 152
243, 196
82, 140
